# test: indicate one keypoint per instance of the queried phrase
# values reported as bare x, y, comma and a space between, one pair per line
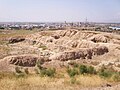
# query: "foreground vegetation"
72, 77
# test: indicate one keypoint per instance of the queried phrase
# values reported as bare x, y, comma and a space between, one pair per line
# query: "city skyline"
59, 11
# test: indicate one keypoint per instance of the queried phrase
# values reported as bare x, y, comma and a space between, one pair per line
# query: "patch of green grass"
91, 70
105, 73
72, 72
83, 69
50, 72
108, 73
80, 69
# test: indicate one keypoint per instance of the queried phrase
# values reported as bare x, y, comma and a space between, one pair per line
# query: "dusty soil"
58, 48
67, 45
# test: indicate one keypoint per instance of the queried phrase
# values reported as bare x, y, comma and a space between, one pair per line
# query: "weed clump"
73, 80
18, 72
105, 72
80, 69
83, 69
116, 77
72, 72
50, 72
91, 70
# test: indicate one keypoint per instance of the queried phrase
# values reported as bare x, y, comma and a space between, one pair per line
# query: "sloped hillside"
61, 46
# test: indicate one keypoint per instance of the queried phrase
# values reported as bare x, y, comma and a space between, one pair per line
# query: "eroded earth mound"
53, 47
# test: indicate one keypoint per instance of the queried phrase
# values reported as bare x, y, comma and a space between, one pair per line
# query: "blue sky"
59, 10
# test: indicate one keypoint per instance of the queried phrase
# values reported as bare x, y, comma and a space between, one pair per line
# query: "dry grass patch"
90, 80
31, 83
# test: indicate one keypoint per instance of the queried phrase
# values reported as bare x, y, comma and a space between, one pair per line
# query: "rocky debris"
64, 45
65, 40
86, 44
100, 51
108, 85
114, 64
83, 53
99, 38
23, 61
26, 60
16, 39
56, 37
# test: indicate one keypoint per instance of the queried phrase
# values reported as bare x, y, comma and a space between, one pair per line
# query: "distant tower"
65, 22
86, 20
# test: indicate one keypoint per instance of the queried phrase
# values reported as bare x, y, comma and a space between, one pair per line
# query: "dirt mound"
100, 51
99, 38
16, 39
85, 53
26, 60
64, 45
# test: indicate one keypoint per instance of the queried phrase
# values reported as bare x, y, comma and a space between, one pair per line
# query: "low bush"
91, 70
83, 69
80, 69
105, 72
72, 72
48, 72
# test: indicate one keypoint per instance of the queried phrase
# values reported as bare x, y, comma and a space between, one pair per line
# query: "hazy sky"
59, 10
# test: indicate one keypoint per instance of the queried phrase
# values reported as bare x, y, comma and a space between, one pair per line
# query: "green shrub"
48, 72
91, 70
105, 73
83, 69
72, 72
